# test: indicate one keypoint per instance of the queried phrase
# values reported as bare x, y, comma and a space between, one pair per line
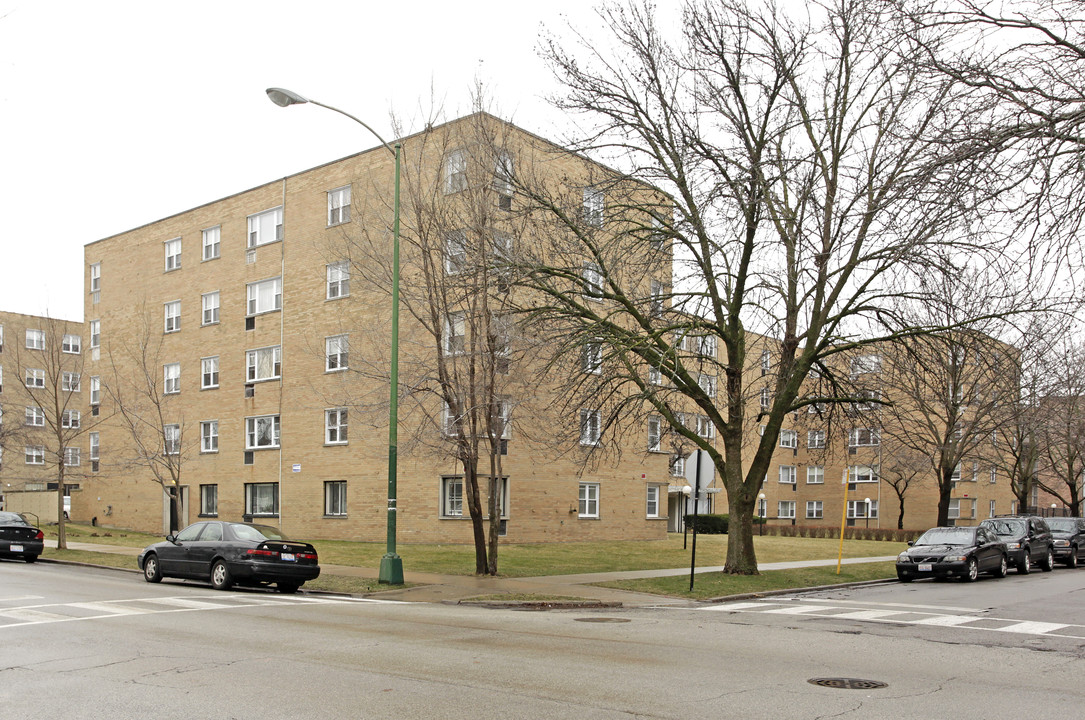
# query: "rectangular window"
262, 499
863, 437
678, 466
262, 432
35, 454
171, 439
335, 426
591, 357
655, 303
265, 296
335, 498
338, 279
452, 497
589, 500
455, 251
95, 333
265, 227
594, 206
655, 433
455, 333
209, 375
785, 509
336, 353
70, 419
35, 339
706, 346
209, 436
813, 509
455, 171
70, 381
71, 456
815, 439
171, 374
652, 505
503, 173
708, 384
862, 473
210, 308
35, 417
991, 509
705, 428
655, 376
589, 427
209, 500
95, 277
861, 509
35, 378
815, 474
211, 237
592, 281
95, 447
263, 364
765, 399
865, 364
173, 254
789, 439
72, 344
766, 362
173, 316
788, 474
95, 390
339, 206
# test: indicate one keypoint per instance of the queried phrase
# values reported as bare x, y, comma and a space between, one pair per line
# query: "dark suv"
1069, 534
1028, 539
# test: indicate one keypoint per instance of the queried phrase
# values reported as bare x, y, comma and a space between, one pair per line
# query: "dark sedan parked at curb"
945, 552
18, 538
1069, 536
229, 553
1027, 538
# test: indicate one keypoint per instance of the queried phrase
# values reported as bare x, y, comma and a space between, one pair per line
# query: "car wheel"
1071, 560
973, 571
220, 576
287, 588
1048, 563
1003, 568
904, 578
151, 571
1025, 566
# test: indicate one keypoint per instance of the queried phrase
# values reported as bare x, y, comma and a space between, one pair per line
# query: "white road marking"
946, 608
1037, 628
20, 598
946, 620
794, 610
867, 614
107, 608
29, 615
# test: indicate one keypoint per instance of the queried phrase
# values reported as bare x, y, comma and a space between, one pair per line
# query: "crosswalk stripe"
946, 620
868, 614
1038, 628
108, 608
808, 610
29, 615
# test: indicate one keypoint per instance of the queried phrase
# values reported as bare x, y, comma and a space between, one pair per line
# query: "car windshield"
947, 536
1006, 528
10, 518
256, 533
1062, 524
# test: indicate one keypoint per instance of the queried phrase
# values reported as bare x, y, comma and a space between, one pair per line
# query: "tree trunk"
945, 489
62, 532
900, 516
474, 505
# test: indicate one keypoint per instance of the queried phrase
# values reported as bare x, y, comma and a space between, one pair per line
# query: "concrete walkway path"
434, 587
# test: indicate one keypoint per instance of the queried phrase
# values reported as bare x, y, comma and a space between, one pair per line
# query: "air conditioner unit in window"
504, 202
250, 257
250, 391
249, 456
94, 466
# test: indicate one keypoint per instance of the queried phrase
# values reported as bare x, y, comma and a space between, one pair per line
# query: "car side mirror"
172, 539
911, 543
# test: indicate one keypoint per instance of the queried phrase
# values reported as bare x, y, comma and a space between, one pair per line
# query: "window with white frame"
335, 426
171, 439
335, 498
862, 509
455, 251
655, 304
173, 316
71, 456
35, 339
209, 372
502, 246
262, 499
95, 277
678, 466
765, 399
788, 474
591, 357
815, 474
265, 296
211, 308
261, 432
652, 502
789, 439
589, 427
503, 420
35, 378
455, 333
503, 173
991, 509
655, 377
455, 171
72, 344
865, 364
815, 439
589, 500
338, 279
785, 509
95, 446
70, 381
95, 333
35, 417
592, 281
209, 500
707, 345
209, 436
705, 428
452, 497
863, 437
171, 374
862, 473
594, 206
95, 390
766, 362
35, 454
762, 507
211, 237
655, 433
265, 227
263, 364
336, 353
707, 383
339, 206
814, 509
955, 476
173, 254
70, 419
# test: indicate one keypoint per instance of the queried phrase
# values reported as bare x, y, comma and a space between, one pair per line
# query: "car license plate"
16, 548
925, 567
289, 557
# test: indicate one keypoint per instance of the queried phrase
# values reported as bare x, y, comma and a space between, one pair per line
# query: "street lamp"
391, 567
686, 490
867, 501
762, 511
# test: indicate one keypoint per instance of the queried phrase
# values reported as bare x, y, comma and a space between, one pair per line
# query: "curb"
535, 604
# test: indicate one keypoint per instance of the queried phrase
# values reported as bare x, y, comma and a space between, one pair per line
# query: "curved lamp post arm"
283, 98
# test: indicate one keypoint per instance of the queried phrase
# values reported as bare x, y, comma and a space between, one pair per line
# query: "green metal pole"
391, 569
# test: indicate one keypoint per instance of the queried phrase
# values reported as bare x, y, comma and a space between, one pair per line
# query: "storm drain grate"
602, 619
847, 683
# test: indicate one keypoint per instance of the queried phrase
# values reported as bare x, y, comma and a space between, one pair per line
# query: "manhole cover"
601, 619
847, 683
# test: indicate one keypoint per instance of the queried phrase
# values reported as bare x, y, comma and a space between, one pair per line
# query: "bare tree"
902, 471
143, 392
809, 185
1060, 427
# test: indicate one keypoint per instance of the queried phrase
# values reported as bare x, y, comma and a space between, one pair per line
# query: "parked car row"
995, 545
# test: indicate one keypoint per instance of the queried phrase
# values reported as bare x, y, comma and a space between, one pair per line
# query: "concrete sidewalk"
434, 587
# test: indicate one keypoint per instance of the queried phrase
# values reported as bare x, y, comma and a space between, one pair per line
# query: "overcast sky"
115, 114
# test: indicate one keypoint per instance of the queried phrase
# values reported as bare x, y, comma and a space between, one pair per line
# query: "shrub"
708, 524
